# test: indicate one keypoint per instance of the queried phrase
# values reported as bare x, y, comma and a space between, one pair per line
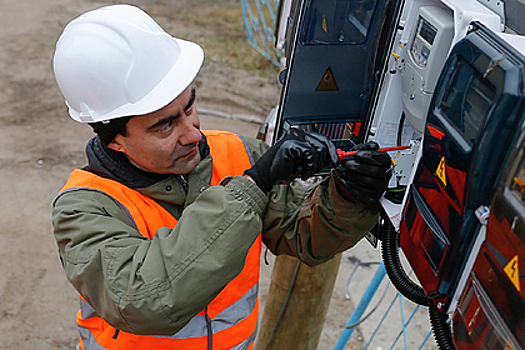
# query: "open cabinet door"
336, 58
490, 311
474, 116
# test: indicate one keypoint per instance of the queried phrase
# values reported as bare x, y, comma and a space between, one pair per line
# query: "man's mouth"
190, 153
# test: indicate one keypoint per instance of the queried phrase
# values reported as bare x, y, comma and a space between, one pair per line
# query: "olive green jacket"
156, 286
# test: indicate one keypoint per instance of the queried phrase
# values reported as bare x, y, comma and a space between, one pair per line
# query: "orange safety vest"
232, 314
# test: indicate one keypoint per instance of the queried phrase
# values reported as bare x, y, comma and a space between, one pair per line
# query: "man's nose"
191, 131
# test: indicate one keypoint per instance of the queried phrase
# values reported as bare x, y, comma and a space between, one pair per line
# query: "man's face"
165, 141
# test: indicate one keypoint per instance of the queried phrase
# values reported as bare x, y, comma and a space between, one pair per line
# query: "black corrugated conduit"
395, 271
441, 328
409, 289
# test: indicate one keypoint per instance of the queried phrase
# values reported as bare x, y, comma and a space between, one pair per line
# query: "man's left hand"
297, 154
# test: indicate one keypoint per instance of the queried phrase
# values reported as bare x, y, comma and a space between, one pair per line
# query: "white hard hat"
117, 61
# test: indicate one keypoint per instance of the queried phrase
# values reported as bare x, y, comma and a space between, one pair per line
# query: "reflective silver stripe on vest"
88, 340
247, 149
230, 316
86, 310
245, 344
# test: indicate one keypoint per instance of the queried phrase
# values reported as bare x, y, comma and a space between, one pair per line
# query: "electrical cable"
292, 283
395, 271
397, 194
412, 291
347, 295
400, 129
442, 333
362, 319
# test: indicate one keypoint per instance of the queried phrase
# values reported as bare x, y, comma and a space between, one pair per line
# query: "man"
161, 233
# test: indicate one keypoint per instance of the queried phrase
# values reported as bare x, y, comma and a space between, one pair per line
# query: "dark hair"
107, 131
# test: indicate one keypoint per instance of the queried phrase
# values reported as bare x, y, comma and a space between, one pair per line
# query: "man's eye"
189, 110
166, 127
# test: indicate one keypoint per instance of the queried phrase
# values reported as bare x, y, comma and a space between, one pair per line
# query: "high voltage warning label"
327, 82
513, 272
440, 172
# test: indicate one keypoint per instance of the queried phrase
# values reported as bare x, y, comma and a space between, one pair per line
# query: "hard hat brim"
169, 88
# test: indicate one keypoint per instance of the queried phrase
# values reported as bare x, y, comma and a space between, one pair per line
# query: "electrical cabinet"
336, 59
474, 116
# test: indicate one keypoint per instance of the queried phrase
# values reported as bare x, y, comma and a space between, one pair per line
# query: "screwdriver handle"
342, 154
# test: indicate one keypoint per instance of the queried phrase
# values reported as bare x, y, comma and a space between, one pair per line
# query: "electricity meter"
428, 48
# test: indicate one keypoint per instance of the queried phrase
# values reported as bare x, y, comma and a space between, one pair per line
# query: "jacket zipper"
209, 329
184, 183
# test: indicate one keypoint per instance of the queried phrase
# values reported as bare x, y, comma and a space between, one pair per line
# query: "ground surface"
40, 145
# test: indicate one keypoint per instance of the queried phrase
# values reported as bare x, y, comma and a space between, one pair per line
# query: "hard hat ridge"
117, 61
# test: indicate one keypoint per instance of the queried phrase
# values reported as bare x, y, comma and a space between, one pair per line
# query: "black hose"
409, 289
395, 271
442, 334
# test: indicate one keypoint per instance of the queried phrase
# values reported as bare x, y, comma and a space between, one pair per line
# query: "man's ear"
117, 144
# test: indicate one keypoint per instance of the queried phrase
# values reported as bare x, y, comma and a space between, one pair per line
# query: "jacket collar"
114, 165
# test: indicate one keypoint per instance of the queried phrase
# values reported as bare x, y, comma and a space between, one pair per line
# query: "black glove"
364, 176
296, 154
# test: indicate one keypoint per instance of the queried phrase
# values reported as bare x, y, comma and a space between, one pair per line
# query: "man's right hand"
296, 154
364, 177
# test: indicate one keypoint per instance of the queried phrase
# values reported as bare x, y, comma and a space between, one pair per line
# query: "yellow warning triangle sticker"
513, 272
327, 82
440, 172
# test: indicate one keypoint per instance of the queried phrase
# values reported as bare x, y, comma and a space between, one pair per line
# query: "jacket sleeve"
155, 286
312, 222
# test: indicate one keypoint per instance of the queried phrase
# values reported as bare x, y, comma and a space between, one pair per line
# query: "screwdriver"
342, 154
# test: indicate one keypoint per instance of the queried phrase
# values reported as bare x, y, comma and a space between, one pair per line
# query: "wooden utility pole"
303, 318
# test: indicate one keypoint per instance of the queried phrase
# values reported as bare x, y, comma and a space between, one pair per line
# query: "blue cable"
426, 339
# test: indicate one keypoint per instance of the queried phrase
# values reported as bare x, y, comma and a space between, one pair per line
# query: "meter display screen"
426, 31
423, 40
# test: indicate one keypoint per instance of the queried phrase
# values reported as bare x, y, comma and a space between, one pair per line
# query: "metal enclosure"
472, 121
